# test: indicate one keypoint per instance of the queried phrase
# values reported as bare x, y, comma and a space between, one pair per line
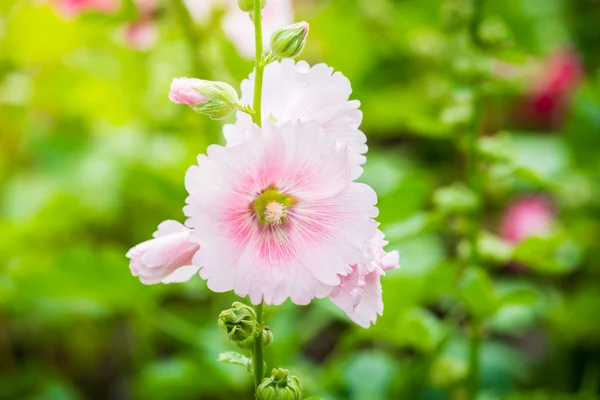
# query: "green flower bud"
280, 386
248, 344
248, 5
221, 99
239, 322
289, 41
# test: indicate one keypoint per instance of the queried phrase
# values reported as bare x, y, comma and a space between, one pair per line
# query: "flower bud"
239, 322
248, 5
280, 386
248, 344
289, 41
217, 100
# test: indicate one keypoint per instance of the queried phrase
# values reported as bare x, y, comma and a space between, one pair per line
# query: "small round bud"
248, 5
239, 322
289, 41
217, 100
280, 386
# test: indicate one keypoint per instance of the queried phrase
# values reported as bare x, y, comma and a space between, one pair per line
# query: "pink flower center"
271, 207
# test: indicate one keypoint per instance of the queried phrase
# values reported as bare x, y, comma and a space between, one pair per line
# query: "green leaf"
456, 198
553, 255
477, 293
235, 358
519, 297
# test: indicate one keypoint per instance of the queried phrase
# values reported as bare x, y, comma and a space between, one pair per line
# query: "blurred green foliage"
92, 157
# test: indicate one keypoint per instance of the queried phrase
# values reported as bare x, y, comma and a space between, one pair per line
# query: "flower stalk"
259, 68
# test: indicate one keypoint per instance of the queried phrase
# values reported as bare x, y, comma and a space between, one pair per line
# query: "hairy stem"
474, 353
257, 354
259, 67
473, 181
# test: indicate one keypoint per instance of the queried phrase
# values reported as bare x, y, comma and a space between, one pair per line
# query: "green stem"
259, 67
257, 354
473, 181
189, 30
474, 355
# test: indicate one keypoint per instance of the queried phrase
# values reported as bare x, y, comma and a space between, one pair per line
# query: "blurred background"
92, 158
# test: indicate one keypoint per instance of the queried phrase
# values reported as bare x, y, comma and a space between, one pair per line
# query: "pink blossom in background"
166, 258
72, 8
277, 216
550, 94
201, 10
359, 294
297, 92
142, 33
182, 91
526, 217
238, 27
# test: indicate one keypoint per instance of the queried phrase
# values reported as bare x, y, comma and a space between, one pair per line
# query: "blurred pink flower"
550, 94
359, 293
183, 92
72, 8
277, 215
140, 35
561, 75
526, 217
297, 92
166, 258
237, 25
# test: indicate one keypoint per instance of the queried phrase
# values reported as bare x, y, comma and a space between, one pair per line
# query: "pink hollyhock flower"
167, 258
239, 28
359, 293
183, 92
277, 216
71, 8
526, 217
298, 93
549, 96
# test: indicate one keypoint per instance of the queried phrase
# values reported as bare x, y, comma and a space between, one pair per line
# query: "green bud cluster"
239, 322
280, 386
241, 326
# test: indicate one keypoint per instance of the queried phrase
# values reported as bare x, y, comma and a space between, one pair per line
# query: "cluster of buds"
218, 100
241, 326
280, 386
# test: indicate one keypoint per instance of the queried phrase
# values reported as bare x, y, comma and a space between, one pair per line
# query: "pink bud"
526, 217
167, 258
183, 92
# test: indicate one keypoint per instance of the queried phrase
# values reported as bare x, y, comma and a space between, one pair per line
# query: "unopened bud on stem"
280, 386
239, 322
217, 100
289, 41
